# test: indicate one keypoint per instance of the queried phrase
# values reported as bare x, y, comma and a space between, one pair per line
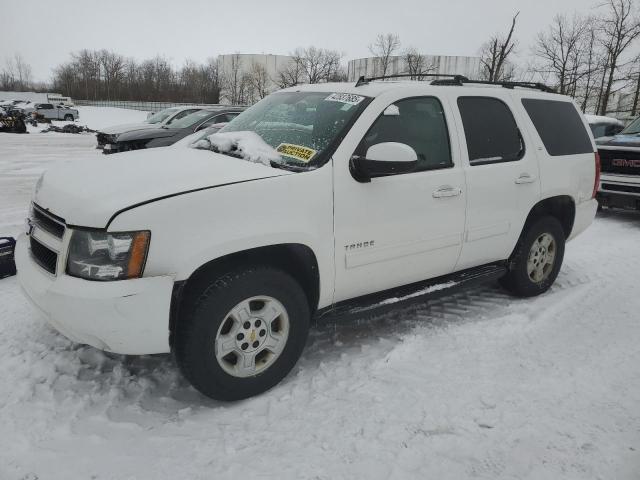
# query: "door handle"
447, 191
525, 178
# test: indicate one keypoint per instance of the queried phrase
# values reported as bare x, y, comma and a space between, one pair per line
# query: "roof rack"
459, 80
364, 80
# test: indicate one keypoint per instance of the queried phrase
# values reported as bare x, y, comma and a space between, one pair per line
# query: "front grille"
621, 188
625, 162
47, 221
44, 256
103, 138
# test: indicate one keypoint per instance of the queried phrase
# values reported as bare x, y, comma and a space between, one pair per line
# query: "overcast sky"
46, 31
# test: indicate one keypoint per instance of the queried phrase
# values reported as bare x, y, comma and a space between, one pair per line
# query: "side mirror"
382, 160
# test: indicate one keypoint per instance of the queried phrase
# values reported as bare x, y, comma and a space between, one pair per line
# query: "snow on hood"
127, 127
90, 191
249, 145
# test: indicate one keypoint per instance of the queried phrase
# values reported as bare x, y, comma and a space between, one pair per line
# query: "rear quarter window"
559, 126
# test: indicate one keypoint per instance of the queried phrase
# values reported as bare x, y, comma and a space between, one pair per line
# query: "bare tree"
23, 72
634, 80
113, 65
311, 65
383, 48
234, 81
619, 28
560, 51
291, 75
494, 54
416, 64
259, 81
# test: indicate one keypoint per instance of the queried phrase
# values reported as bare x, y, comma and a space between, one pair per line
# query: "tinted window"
46, 106
417, 122
559, 126
180, 115
491, 131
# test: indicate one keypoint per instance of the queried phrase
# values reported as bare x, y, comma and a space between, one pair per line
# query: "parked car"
59, 112
620, 160
170, 133
602, 126
320, 200
109, 135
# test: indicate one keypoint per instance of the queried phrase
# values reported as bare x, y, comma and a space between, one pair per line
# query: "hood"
127, 127
89, 192
619, 141
148, 134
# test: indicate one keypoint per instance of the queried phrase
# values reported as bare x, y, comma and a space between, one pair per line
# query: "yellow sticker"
298, 152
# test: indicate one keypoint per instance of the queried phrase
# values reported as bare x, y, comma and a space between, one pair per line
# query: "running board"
377, 303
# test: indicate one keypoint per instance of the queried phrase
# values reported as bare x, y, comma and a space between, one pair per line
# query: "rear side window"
491, 131
559, 126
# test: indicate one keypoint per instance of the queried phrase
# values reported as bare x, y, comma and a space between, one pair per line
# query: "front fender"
190, 230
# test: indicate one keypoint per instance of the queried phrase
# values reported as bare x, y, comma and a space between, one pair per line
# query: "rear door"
567, 163
502, 176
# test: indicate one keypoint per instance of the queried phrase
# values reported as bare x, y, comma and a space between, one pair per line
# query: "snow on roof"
601, 119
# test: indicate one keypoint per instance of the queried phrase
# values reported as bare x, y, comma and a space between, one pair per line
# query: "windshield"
191, 119
162, 115
632, 128
300, 126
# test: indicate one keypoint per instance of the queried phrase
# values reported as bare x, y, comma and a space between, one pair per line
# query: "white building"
443, 64
239, 65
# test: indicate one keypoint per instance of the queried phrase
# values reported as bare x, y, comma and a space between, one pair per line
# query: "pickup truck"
319, 200
620, 163
49, 111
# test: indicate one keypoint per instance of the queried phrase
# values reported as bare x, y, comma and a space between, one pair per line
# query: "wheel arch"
298, 260
561, 207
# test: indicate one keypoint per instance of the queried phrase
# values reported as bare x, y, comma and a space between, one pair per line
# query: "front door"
403, 228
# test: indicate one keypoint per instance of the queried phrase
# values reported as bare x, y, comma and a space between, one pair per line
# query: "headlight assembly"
95, 255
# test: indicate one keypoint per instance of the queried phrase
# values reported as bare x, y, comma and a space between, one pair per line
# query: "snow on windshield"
249, 145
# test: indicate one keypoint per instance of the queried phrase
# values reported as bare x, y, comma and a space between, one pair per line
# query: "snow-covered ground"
99, 117
477, 385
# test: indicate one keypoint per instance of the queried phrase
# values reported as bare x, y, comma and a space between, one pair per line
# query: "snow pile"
249, 145
97, 118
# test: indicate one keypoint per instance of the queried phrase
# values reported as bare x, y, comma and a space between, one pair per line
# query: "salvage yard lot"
477, 385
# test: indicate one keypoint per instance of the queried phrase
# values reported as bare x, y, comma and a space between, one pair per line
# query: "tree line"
589, 57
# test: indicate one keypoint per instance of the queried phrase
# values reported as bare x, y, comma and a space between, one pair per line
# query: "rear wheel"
537, 258
68, 118
244, 333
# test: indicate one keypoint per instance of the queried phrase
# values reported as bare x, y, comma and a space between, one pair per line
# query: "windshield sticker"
349, 98
300, 153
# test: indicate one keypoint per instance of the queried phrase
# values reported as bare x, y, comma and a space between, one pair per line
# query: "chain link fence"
133, 105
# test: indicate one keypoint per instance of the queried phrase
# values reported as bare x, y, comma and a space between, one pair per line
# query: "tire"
68, 118
519, 281
211, 320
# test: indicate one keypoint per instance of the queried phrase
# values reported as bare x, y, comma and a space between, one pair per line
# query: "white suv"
319, 199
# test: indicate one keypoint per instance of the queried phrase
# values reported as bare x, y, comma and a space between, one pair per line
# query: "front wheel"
244, 333
537, 258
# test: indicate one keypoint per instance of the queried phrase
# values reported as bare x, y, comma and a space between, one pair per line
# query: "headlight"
95, 255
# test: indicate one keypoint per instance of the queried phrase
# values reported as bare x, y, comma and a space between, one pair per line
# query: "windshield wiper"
286, 166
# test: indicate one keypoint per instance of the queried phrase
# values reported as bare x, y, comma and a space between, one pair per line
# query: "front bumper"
619, 191
126, 316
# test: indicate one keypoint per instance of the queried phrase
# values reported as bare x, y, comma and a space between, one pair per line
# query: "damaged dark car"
177, 130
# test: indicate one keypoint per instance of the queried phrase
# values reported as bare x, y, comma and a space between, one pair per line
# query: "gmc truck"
620, 165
